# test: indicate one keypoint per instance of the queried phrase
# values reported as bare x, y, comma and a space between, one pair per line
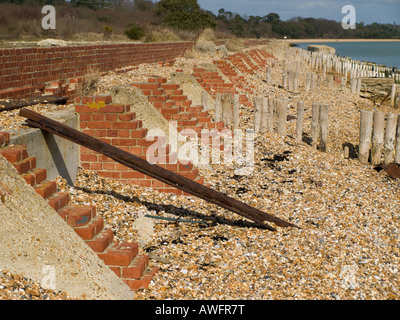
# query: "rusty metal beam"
154, 171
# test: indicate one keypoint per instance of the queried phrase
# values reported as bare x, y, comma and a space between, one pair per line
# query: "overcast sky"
367, 11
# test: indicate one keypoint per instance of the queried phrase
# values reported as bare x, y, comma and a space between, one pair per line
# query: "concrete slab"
57, 155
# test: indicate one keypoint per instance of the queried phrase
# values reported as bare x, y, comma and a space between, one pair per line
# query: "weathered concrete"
37, 243
57, 155
321, 48
376, 88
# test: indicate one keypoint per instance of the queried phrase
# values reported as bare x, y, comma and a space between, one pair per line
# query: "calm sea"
382, 53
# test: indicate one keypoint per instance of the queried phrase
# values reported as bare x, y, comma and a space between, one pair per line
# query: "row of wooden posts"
380, 144
268, 111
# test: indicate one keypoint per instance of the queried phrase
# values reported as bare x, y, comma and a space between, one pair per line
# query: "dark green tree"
183, 14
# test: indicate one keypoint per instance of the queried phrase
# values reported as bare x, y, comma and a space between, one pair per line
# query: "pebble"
347, 247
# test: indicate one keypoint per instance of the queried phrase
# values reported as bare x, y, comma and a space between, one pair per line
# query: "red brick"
111, 117
119, 254
59, 200
46, 189
101, 241
136, 269
25, 165
14, 154
99, 125
35, 177
89, 231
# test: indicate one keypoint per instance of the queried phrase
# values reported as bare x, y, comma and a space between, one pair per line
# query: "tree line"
188, 15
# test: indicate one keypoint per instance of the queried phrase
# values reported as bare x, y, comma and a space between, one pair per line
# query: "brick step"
91, 229
14, 154
4, 138
35, 176
59, 200
77, 216
144, 281
118, 254
46, 189
83, 220
101, 241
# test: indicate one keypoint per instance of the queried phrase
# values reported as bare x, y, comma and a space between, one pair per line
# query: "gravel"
346, 247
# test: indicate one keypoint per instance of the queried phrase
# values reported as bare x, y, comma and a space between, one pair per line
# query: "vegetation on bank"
164, 20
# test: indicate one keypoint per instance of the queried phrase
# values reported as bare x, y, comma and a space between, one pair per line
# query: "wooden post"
313, 80
296, 82
308, 81
329, 81
290, 81
204, 100
346, 152
358, 87
353, 85
377, 137
323, 127
235, 111
393, 95
271, 111
365, 136
300, 121
314, 125
227, 109
390, 138
268, 75
285, 80
281, 113
257, 114
217, 111
397, 148
264, 115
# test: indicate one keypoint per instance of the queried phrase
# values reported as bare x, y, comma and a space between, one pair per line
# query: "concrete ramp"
36, 242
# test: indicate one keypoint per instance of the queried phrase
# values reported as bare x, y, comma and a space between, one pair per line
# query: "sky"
367, 11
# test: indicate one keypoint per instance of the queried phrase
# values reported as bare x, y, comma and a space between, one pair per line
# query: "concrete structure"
57, 155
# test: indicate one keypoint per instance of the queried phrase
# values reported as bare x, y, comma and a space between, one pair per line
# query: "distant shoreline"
339, 40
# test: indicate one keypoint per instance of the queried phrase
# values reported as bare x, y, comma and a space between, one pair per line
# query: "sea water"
384, 53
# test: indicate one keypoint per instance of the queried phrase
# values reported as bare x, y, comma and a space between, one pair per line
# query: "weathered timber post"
353, 85
285, 80
323, 127
390, 138
329, 81
377, 137
314, 125
393, 95
300, 121
397, 148
358, 87
257, 114
271, 111
281, 112
268, 75
308, 81
227, 109
204, 100
235, 111
264, 115
365, 136
217, 111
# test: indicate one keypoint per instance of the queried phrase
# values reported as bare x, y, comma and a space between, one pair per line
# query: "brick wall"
26, 71
116, 125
